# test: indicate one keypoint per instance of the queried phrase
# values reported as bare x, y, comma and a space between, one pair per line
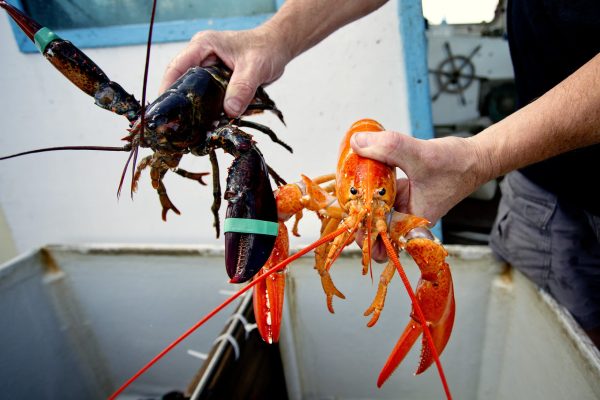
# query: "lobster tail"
251, 217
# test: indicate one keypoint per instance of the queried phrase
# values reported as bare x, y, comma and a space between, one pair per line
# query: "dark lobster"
187, 118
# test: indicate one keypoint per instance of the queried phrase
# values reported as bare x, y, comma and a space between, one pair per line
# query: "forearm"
301, 24
565, 118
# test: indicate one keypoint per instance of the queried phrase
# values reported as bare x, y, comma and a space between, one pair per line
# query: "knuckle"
174, 68
244, 88
172, 64
392, 146
203, 36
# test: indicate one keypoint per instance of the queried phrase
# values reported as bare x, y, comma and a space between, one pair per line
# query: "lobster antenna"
144, 86
60, 148
124, 173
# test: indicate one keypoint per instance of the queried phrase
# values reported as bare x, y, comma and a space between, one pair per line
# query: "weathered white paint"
509, 341
106, 310
71, 197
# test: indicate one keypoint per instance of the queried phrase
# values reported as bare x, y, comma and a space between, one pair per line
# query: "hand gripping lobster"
360, 197
187, 118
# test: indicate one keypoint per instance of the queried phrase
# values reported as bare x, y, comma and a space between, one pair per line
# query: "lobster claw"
268, 295
76, 66
435, 294
251, 218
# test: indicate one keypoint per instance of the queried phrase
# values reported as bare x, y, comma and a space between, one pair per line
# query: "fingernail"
234, 105
360, 139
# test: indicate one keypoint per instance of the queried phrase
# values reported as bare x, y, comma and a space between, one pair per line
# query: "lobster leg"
319, 200
144, 163
351, 223
159, 168
321, 267
262, 101
328, 225
275, 176
165, 201
266, 130
195, 176
76, 66
216, 205
379, 301
159, 165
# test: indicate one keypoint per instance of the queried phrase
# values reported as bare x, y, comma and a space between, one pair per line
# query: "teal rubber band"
43, 38
247, 225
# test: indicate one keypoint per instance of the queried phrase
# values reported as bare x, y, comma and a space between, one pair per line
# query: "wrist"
286, 43
482, 162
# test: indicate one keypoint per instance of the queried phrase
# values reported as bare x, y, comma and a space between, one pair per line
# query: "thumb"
241, 90
392, 148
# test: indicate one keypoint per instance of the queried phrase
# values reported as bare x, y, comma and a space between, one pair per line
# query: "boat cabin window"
104, 23
459, 11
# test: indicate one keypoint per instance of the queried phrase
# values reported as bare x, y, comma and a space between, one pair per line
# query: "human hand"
441, 172
255, 56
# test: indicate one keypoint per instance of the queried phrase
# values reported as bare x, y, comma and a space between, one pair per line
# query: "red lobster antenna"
280, 266
208, 316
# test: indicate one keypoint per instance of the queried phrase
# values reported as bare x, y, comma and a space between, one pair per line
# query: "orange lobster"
360, 196
365, 191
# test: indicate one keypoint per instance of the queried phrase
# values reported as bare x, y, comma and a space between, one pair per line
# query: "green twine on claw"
43, 38
248, 225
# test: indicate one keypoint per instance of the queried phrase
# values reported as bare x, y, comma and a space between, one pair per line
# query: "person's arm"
444, 171
301, 24
565, 118
259, 55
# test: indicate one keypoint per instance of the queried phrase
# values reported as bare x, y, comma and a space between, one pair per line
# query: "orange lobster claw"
268, 294
435, 295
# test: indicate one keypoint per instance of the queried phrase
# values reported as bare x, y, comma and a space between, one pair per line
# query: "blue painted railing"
414, 45
171, 31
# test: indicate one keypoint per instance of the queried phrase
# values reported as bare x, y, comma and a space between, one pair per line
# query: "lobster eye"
353, 190
381, 191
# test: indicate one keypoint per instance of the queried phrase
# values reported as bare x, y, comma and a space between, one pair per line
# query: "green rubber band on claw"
247, 225
43, 38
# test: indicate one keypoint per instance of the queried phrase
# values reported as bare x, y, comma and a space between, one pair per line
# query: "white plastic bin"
76, 322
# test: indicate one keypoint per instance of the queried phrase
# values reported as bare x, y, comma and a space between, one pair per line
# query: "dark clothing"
548, 223
554, 244
549, 40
